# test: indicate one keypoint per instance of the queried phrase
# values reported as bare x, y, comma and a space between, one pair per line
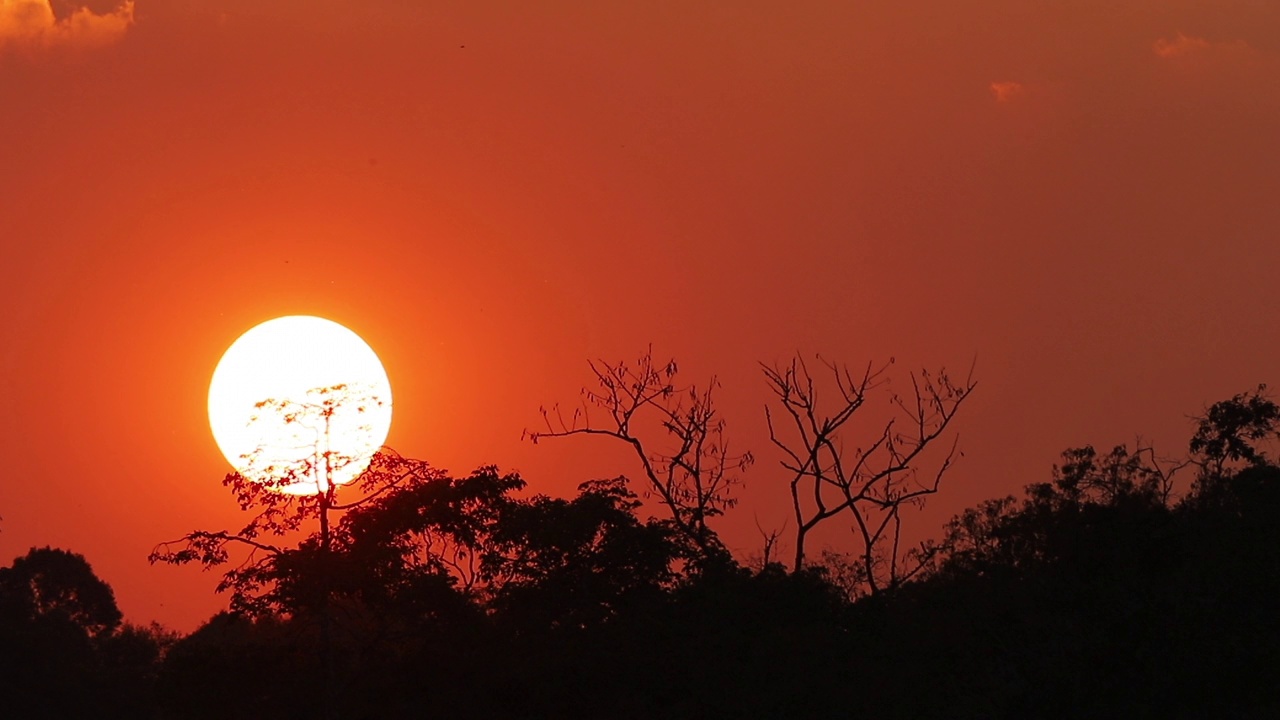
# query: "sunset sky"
1081, 196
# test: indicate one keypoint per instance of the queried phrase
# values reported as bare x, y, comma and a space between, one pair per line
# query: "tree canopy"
1126, 584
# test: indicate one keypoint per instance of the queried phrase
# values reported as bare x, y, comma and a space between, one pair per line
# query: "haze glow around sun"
289, 361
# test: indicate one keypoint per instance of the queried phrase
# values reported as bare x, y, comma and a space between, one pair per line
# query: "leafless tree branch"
675, 432
870, 485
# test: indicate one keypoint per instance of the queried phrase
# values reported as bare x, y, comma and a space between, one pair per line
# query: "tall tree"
287, 494
290, 488
676, 433
871, 483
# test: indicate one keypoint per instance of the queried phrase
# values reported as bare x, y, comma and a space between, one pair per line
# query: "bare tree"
870, 485
768, 546
688, 465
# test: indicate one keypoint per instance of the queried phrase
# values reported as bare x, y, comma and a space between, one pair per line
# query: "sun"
300, 403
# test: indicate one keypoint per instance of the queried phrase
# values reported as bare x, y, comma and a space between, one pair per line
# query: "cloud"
1006, 91
32, 23
1186, 45
1179, 45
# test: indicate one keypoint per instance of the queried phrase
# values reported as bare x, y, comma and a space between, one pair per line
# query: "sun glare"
291, 389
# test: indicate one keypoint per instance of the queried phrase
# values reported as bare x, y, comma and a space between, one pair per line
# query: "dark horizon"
1074, 197
1099, 592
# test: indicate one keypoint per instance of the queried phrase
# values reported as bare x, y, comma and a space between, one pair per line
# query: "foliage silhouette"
444, 558
279, 513
1230, 430
287, 488
59, 586
577, 563
1098, 593
64, 651
1113, 589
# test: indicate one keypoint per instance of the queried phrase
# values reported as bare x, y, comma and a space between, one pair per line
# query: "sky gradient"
1078, 196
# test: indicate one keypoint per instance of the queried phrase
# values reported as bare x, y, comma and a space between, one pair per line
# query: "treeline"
1112, 590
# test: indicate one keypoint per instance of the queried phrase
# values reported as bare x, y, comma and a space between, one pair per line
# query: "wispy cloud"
1006, 91
1181, 45
32, 23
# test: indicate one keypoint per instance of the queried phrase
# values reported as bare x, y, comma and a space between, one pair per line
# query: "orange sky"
1081, 195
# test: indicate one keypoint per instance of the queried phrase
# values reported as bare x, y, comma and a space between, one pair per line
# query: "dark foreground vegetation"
1108, 591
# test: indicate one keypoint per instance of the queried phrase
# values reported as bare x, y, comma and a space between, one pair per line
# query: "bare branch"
675, 433
872, 483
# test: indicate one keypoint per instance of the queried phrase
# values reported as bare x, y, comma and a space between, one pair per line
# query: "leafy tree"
1229, 432
1229, 449
442, 526
63, 649
1061, 518
456, 568
286, 492
59, 586
546, 561
272, 492
273, 671
254, 582
130, 662
1101, 592
576, 563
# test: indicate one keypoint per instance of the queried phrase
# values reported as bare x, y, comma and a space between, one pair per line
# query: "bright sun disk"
323, 388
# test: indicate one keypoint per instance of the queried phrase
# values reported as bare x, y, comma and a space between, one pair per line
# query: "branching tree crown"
870, 484
288, 490
690, 467
1232, 432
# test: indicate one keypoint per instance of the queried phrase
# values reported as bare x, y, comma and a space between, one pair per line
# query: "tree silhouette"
60, 586
675, 432
64, 651
1104, 592
436, 580
1100, 592
539, 561
1229, 434
441, 525
290, 487
1062, 520
577, 563
275, 470
873, 483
